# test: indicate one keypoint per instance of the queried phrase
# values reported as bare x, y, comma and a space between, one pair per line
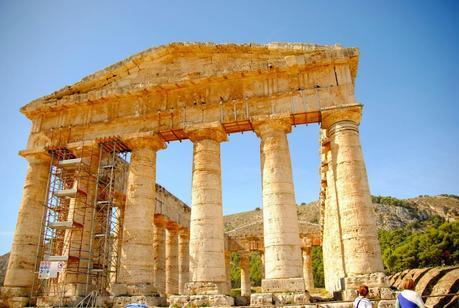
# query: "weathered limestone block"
172, 272
448, 284
136, 268
283, 285
151, 301
183, 260
207, 258
377, 283
280, 221
207, 288
261, 299
21, 264
283, 299
217, 300
427, 281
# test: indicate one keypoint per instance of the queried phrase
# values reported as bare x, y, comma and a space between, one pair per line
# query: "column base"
378, 286
206, 288
144, 289
14, 296
283, 285
150, 301
202, 300
279, 299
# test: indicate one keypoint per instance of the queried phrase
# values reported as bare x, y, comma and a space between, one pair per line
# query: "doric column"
332, 247
283, 264
262, 257
245, 274
207, 257
184, 260
228, 270
358, 225
172, 259
159, 247
136, 268
20, 271
307, 268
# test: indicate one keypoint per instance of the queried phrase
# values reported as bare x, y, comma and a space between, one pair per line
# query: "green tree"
318, 267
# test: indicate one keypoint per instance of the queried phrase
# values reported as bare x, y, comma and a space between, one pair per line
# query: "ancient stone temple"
92, 224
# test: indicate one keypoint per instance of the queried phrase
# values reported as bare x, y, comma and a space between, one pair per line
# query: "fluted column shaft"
184, 260
245, 275
207, 258
332, 246
358, 225
159, 245
307, 268
136, 268
20, 271
172, 260
280, 220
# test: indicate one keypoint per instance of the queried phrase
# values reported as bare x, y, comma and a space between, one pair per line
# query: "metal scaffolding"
107, 214
62, 254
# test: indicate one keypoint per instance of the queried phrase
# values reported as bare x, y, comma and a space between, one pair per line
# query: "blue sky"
408, 80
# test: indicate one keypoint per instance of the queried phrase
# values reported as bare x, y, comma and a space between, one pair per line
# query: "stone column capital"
212, 131
335, 115
35, 157
144, 140
263, 125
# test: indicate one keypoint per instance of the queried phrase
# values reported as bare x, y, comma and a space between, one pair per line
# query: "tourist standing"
408, 298
362, 301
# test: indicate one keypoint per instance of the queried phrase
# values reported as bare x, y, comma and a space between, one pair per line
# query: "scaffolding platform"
62, 225
69, 193
72, 163
62, 258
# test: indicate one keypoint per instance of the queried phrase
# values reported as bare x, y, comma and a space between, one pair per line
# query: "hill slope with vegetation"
415, 232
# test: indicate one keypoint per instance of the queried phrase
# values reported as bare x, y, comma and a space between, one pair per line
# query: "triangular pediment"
182, 64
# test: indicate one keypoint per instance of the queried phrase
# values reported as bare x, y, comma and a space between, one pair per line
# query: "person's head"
363, 290
408, 284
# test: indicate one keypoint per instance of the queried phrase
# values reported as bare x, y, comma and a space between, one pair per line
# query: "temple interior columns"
172, 270
183, 259
307, 268
245, 275
159, 244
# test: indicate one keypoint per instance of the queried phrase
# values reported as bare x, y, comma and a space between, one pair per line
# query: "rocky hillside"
391, 212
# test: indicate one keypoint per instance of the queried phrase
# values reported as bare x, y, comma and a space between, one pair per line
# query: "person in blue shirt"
408, 298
